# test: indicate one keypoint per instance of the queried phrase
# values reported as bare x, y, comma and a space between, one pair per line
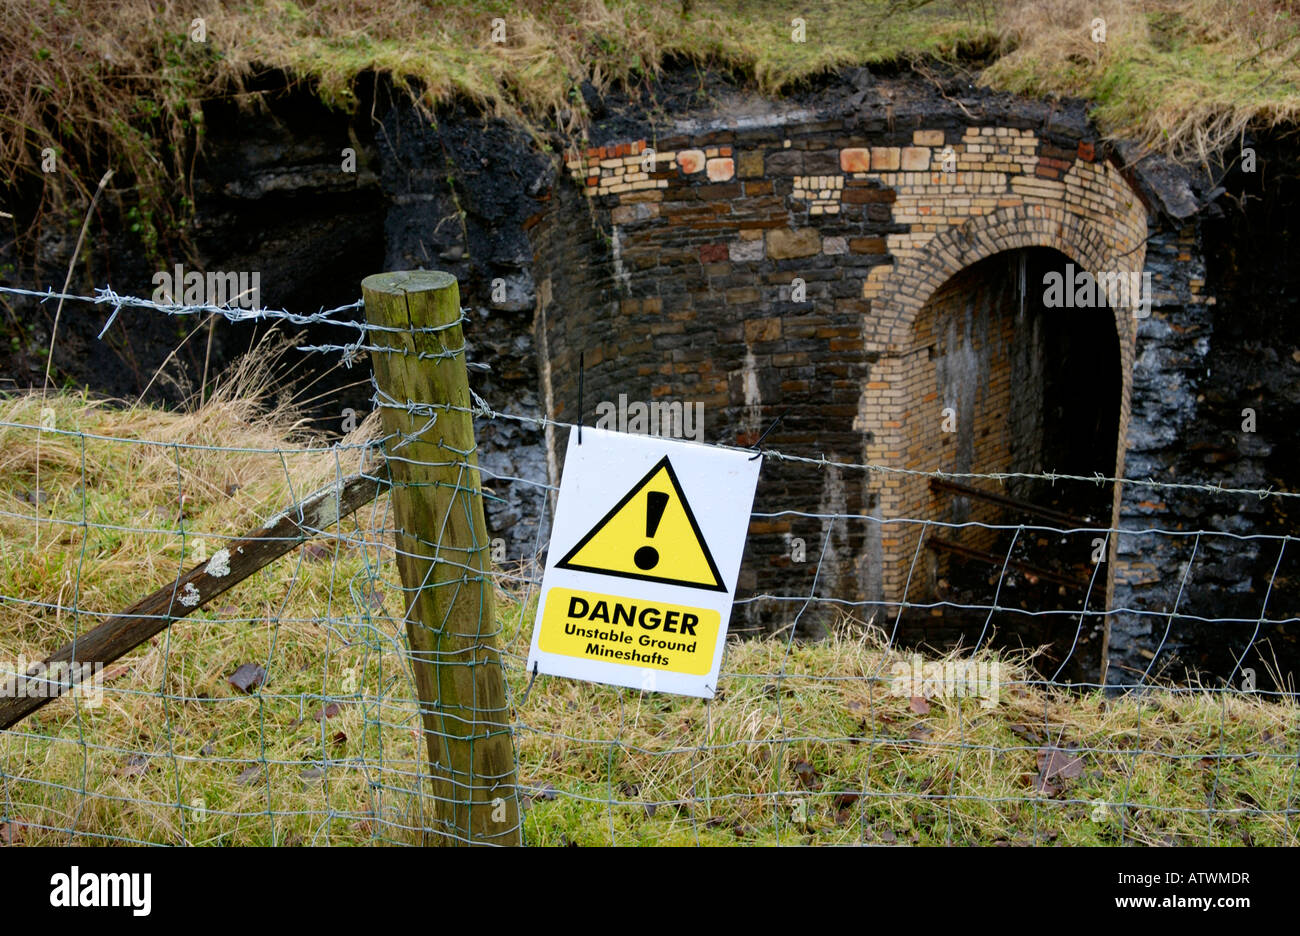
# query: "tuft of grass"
805, 742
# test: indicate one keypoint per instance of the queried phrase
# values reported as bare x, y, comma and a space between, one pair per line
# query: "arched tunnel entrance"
1004, 381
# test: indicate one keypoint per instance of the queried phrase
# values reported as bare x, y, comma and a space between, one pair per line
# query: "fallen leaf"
1025, 732
136, 765
250, 776
919, 733
1045, 786
247, 677
310, 774
844, 800
328, 711
545, 792
375, 600
340, 738
317, 552
1055, 763
919, 705
806, 774
10, 833
1055, 766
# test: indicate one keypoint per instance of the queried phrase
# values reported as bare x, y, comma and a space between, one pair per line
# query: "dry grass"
120, 83
1184, 77
802, 744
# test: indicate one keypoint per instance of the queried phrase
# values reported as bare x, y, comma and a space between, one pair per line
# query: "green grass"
801, 746
120, 83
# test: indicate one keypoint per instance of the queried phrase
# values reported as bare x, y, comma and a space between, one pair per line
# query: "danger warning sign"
650, 534
645, 552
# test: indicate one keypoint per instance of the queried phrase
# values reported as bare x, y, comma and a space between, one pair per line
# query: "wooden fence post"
442, 552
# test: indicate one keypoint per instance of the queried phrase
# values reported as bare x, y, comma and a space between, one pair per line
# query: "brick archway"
899, 401
898, 293
712, 228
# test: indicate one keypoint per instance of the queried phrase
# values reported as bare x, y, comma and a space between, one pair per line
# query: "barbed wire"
105, 296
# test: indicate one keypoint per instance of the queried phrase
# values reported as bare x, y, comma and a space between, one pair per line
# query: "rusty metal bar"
1003, 500
997, 560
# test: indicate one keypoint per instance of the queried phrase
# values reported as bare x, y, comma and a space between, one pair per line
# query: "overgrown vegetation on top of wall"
120, 83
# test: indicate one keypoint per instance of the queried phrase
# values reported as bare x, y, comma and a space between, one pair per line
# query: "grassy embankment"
121, 83
326, 750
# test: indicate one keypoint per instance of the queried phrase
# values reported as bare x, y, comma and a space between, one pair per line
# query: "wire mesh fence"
286, 709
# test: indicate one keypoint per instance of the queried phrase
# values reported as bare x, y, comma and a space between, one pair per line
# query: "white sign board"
642, 567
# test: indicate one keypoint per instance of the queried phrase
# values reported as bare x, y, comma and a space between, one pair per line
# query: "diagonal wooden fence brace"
442, 552
236, 561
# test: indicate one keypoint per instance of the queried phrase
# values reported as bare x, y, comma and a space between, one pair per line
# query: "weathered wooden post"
442, 552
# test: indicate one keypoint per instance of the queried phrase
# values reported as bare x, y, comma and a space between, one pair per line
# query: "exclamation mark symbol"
647, 557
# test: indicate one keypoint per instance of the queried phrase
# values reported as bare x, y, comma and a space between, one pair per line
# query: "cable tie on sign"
532, 679
757, 446
581, 370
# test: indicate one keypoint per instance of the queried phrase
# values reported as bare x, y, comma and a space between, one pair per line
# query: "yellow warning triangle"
650, 534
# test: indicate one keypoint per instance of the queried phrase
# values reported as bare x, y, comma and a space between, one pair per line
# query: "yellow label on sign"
651, 535
648, 634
